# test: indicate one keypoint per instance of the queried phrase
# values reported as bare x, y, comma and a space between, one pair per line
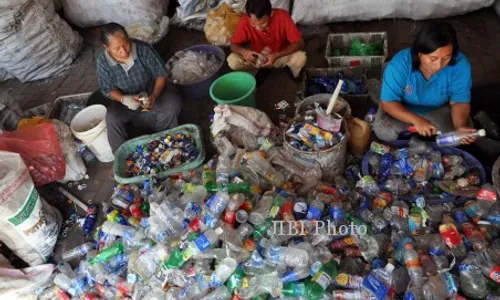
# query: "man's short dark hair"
432, 37
259, 8
110, 29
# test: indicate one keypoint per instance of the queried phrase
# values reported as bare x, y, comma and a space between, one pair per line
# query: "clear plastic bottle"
295, 274
453, 240
414, 292
217, 203
288, 256
472, 282
261, 210
396, 186
235, 201
453, 139
412, 262
315, 210
202, 242
400, 280
486, 197
370, 116
223, 271
77, 251
220, 293
488, 267
429, 267
352, 295
223, 170
378, 282
368, 246
260, 285
64, 282
436, 250
265, 169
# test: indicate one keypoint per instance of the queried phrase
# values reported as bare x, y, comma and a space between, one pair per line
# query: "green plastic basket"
119, 165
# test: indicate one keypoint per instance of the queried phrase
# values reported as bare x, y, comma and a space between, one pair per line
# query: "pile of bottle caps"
161, 154
308, 136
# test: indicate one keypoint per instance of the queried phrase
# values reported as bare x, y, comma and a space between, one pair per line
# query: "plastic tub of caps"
470, 162
120, 163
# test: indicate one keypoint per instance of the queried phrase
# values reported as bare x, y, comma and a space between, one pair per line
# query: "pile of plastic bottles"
420, 170
161, 154
326, 84
190, 66
243, 229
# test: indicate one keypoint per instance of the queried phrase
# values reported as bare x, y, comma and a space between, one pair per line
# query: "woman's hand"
249, 55
130, 101
424, 127
468, 140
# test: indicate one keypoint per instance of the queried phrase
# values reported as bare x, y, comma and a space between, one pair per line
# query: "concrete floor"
478, 34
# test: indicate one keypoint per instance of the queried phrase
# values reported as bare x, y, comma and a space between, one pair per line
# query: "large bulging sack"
34, 42
316, 12
30, 226
143, 19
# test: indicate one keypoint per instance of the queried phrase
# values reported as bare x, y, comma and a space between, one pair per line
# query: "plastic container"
96, 137
342, 41
120, 162
348, 72
332, 160
200, 89
471, 162
63, 107
342, 107
235, 88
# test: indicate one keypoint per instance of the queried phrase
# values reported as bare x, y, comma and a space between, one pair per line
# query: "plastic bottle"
77, 251
315, 210
453, 139
472, 282
440, 286
295, 274
488, 267
224, 169
412, 262
453, 240
370, 116
64, 282
288, 256
377, 284
217, 203
263, 167
90, 219
202, 243
400, 280
396, 186
107, 254
486, 197
351, 295
260, 285
359, 136
235, 201
261, 210
223, 271
436, 250
220, 293
429, 268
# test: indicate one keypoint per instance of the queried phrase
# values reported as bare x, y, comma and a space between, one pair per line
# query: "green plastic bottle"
107, 254
232, 188
208, 178
358, 223
235, 281
324, 277
308, 289
275, 209
174, 261
262, 229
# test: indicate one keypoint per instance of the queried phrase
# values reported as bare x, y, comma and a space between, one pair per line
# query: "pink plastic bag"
39, 147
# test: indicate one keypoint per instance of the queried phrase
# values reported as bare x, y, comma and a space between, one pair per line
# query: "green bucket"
235, 88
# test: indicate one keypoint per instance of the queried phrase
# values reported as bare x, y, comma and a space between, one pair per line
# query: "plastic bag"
221, 25
23, 283
39, 147
30, 226
75, 168
31, 122
253, 120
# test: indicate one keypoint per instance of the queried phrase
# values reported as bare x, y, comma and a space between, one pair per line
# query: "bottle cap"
408, 246
218, 230
481, 132
389, 267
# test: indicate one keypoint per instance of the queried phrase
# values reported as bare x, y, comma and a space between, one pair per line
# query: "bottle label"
410, 296
375, 286
495, 219
401, 211
313, 213
290, 276
202, 242
495, 274
451, 287
274, 211
487, 195
337, 214
460, 216
322, 279
414, 263
472, 210
349, 281
415, 224
450, 235
274, 255
315, 268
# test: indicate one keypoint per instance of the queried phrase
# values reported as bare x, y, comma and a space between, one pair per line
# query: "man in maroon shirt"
275, 41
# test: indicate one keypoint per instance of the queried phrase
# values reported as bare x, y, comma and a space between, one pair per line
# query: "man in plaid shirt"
126, 68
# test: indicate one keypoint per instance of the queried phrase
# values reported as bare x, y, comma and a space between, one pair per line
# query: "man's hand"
130, 101
424, 127
468, 140
271, 59
249, 55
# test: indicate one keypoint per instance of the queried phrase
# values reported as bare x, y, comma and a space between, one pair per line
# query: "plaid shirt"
134, 78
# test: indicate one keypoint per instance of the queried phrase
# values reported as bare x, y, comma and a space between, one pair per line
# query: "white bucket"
95, 138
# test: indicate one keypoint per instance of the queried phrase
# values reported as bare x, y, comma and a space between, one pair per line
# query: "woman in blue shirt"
427, 86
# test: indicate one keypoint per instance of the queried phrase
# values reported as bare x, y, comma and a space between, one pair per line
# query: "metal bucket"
342, 107
332, 160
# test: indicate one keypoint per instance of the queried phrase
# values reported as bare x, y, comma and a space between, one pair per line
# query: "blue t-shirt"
401, 83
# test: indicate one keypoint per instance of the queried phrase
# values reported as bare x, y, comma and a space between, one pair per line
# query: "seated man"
272, 35
125, 69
